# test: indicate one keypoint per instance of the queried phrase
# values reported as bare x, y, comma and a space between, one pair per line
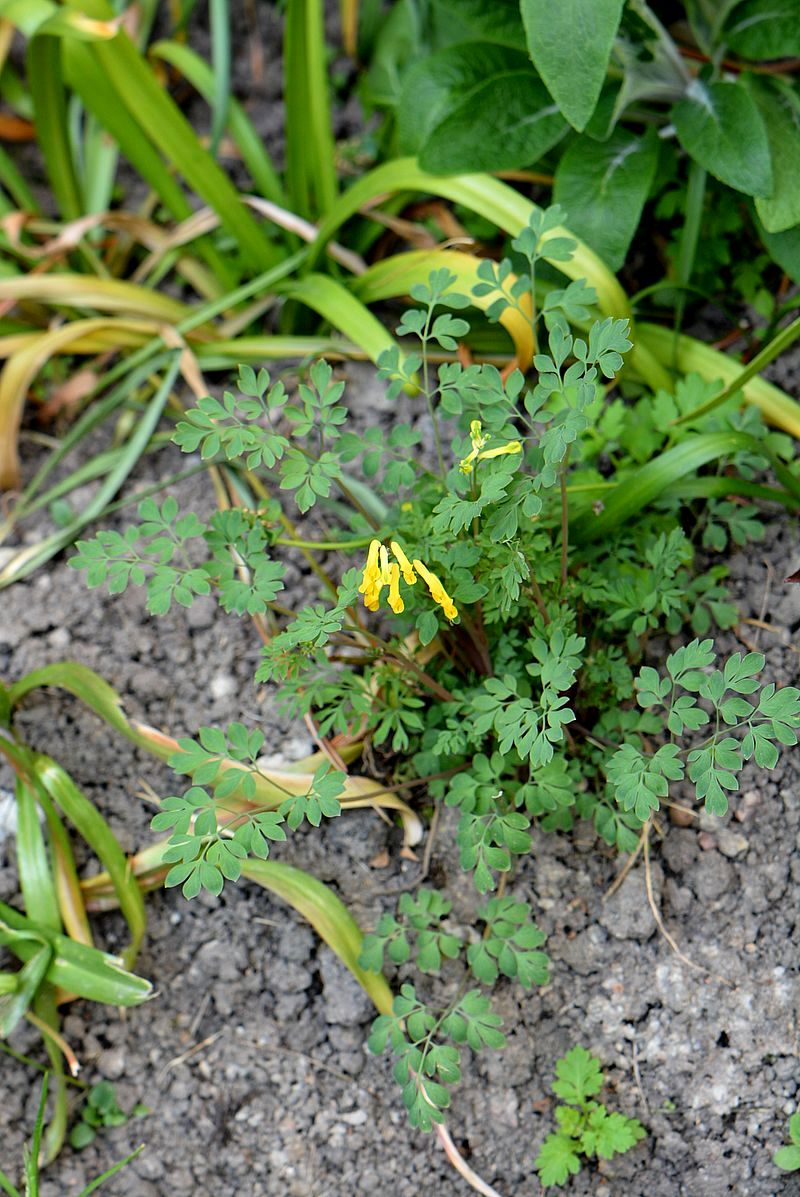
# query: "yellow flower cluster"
478, 453
379, 571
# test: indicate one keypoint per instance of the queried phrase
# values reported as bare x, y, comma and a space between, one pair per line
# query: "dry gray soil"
252, 1054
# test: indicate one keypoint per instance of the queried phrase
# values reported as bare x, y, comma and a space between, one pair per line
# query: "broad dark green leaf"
439, 83
570, 43
780, 110
496, 22
509, 121
760, 29
603, 186
784, 248
721, 127
705, 18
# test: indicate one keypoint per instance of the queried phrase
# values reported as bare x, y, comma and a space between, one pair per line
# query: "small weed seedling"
585, 1127
101, 1110
788, 1157
32, 1160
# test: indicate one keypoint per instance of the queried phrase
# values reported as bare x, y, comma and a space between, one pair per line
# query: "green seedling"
33, 1161
101, 1109
585, 1127
788, 1157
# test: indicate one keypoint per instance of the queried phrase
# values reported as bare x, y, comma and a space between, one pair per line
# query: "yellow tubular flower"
395, 601
478, 441
438, 592
508, 447
408, 570
384, 559
372, 582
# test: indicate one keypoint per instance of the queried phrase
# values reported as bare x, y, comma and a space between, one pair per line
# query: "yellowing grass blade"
312, 899
489, 197
21, 369
329, 917
690, 355
98, 835
95, 692
105, 295
396, 276
341, 309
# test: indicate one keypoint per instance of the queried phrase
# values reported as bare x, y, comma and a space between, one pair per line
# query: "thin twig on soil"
648, 881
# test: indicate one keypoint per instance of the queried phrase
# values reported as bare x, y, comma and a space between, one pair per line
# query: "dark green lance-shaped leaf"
75, 967
438, 84
784, 248
570, 43
99, 836
663, 471
721, 127
780, 110
13, 1006
509, 121
603, 185
761, 29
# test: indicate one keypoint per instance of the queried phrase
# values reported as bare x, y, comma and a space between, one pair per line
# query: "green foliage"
426, 1043
104, 1107
496, 636
585, 1127
101, 1109
788, 1157
599, 99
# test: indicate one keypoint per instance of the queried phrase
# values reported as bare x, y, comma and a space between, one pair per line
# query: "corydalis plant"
507, 670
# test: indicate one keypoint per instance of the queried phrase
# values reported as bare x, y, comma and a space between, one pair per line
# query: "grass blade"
310, 150
329, 917
341, 309
47, 1012
98, 835
656, 476
219, 19
35, 877
693, 356
779, 343
112, 1171
84, 971
14, 1006
163, 122
50, 113
240, 127
489, 197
